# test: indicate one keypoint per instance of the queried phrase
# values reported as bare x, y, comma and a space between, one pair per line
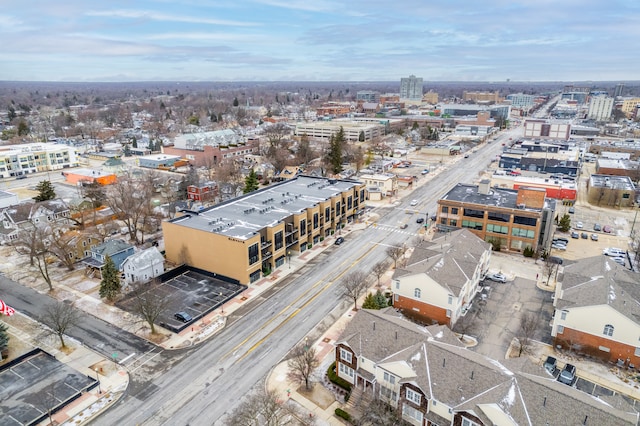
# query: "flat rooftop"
244, 216
614, 182
498, 197
88, 173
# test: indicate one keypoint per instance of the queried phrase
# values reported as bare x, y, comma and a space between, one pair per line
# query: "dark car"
420, 220
339, 241
555, 259
597, 227
550, 364
183, 316
561, 240
568, 375
584, 235
574, 234
21, 177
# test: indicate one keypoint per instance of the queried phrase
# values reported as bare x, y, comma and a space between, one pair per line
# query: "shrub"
528, 251
343, 414
333, 377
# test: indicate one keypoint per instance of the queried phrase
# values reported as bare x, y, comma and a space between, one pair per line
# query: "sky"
319, 40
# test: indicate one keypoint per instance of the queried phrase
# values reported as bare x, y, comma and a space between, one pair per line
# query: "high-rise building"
411, 88
618, 90
521, 100
600, 108
368, 96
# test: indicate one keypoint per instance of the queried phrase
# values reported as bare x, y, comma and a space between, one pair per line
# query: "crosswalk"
407, 231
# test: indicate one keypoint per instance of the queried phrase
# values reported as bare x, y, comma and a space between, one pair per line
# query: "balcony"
265, 244
292, 243
266, 255
291, 231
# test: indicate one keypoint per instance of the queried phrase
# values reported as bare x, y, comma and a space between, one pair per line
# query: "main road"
201, 388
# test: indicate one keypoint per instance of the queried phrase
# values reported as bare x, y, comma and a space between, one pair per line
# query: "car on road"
607, 229
575, 235
414, 202
579, 225
339, 241
620, 260
584, 235
572, 210
594, 237
597, 227
568, 375
466, 156
555, 259
613, 251
420, 220
21, 177
183, 316
424, 172
498, 277
403, 226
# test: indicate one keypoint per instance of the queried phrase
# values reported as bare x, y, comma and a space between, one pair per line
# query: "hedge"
333, 377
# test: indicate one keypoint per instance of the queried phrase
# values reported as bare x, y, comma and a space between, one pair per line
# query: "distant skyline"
304, 40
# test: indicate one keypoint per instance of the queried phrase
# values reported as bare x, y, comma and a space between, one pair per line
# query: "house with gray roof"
16, 217
143, 266
442, 277
118, 250
430, 378
597, 311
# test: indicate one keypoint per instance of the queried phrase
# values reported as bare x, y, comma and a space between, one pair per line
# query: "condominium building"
368, 96
23, 159
521, 100
600, 108
515, 218
629, 106
246, 238
482, 97
411, 88
352, 129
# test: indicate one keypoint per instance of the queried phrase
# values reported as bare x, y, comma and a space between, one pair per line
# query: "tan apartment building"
248, 237
352, 129
481, 97
516, 218
629, 106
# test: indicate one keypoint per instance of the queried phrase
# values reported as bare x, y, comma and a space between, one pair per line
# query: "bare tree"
526, 331
305, 153
379, 269
265, 409
550, 267
60, 317
276, 133
34, 241
395, 253
148, 304
354, 284
302, 364
62, 247
379, 413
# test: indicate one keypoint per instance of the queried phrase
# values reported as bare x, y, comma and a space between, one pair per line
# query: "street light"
289, 258
98, 380
222, 305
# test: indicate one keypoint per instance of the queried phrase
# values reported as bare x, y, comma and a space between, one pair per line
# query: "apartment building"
539, 128
600, 108
521, 100
411, 88
210, 148
246, 238
515, 218
482, 97
629, 106
16, 160
352, 129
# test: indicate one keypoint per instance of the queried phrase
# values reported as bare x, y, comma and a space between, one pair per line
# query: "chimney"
483, 187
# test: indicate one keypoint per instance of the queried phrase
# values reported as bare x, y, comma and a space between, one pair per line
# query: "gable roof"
111, 247
26, 211
145, 258
450, 260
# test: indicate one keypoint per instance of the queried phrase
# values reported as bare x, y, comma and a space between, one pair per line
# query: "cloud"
155, 16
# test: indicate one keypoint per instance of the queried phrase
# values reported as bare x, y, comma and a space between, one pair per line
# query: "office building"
248, 237
600, 108
368, 96
481, 97
521, 100
411, 88
352, 129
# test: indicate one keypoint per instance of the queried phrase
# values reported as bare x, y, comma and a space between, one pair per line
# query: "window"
563, 315
338, 208
416, 293
467, 422
473, 213
327, 214
346, 356
522, 220
413, 396
409, 411
498, 229
278, 240
453, 222
388, 377
253, 253
315, 221
448, 313
303, 227
450, 299
525, 233
445, 209
346, 370
397, 285
472, 225
388, 393
560, 329
499, 217
454, 210
349, 203
608, 330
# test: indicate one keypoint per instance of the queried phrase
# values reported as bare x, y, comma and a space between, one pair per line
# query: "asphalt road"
173, 389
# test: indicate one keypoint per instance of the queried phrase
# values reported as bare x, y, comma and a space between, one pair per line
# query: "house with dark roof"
431, 379
442, 277
597, 311
17, 217
118, 250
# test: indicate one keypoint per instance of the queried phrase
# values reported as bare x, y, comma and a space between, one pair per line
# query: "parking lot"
38, 383
193, 291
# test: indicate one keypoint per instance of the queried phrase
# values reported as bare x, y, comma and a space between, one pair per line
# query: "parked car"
568, 375
499, 277
584, 235
579, 225
572, 210
466, 156
183, 316
559, 246
575, 235
613, 251
420, 220
597, 227
556, 260
339, 241
620, 260
550, 364
424, 172
561, 240
414, 202
594, 237
607, 229
21, 177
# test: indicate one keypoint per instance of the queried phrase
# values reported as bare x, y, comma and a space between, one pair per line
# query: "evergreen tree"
334, 156
565, 223
45, 191
158, 145
127, 150
381, 301
110, 284
369, 302
23, 128
151, 145
235, 102
361, 136
134, 142
4, 338
251, 182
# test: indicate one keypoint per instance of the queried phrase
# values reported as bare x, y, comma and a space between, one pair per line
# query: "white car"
414, 202
558, 246
499, 277
579, 225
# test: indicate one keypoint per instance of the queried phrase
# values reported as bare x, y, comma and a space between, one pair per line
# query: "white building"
411, 88
521, 100
28, 158
143, 266
600, 108
352, 129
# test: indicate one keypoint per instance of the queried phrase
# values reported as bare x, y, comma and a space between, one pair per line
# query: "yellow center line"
294, 313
